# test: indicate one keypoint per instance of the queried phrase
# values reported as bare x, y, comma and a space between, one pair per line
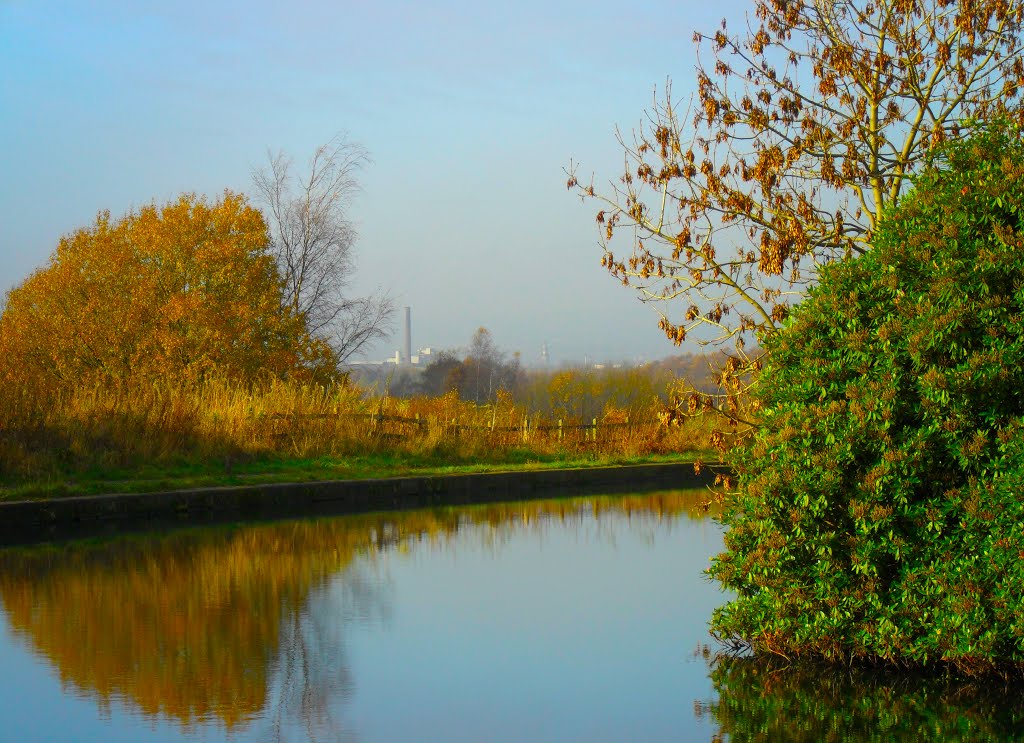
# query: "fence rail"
377, 422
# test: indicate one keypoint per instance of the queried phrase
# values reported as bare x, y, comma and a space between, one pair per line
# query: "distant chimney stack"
408, 336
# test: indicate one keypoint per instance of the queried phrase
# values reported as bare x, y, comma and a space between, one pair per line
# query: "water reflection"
187, 626
547, 621
245, 625
764, 701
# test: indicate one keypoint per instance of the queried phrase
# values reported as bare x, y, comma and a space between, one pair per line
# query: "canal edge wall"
33, 520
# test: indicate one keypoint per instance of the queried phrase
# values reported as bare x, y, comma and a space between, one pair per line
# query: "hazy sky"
470, 111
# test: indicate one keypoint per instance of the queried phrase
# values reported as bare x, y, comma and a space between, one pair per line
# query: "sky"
470, 111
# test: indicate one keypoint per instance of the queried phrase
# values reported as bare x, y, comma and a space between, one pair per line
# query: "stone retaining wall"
27, 521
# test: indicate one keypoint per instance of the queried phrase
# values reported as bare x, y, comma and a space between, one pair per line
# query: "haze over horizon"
469, 112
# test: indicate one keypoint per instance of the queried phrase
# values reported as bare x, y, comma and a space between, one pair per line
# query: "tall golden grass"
155, 423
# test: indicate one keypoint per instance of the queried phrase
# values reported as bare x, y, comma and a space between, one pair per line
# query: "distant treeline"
571, 392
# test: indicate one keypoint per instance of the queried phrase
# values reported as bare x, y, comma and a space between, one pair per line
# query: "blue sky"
470, 112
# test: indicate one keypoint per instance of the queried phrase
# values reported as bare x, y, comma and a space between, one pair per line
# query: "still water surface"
569, 620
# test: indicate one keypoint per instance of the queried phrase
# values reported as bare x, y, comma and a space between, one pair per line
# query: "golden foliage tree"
804, 127
177, 291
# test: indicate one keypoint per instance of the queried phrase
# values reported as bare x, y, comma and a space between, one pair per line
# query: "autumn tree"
478, 375
804, 127
177, 291
313, 242
442, 374
486, 369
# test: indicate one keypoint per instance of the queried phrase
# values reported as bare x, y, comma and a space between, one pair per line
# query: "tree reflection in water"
311, 675
196, 626
759, 700
242, 626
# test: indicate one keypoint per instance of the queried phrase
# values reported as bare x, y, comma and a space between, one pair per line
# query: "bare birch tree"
314, 244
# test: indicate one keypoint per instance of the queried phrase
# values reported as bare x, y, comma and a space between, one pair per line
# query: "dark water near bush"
573, 620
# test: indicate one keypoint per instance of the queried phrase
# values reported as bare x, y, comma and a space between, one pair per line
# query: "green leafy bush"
881, 508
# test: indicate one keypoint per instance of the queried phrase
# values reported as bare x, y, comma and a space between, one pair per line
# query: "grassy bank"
155, 478
150, 437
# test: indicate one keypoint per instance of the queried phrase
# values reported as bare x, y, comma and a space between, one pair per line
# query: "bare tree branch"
314, 244
803, 129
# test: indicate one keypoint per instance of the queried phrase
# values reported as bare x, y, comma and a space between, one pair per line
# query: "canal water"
562, 620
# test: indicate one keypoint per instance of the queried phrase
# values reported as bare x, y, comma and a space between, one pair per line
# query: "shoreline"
29, 521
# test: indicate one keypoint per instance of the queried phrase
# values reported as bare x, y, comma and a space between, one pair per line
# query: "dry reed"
151, 423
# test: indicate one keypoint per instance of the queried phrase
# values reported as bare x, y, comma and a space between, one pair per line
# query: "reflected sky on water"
567, 620
554, 620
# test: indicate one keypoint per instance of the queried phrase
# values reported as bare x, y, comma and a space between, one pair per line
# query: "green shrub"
880, 513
